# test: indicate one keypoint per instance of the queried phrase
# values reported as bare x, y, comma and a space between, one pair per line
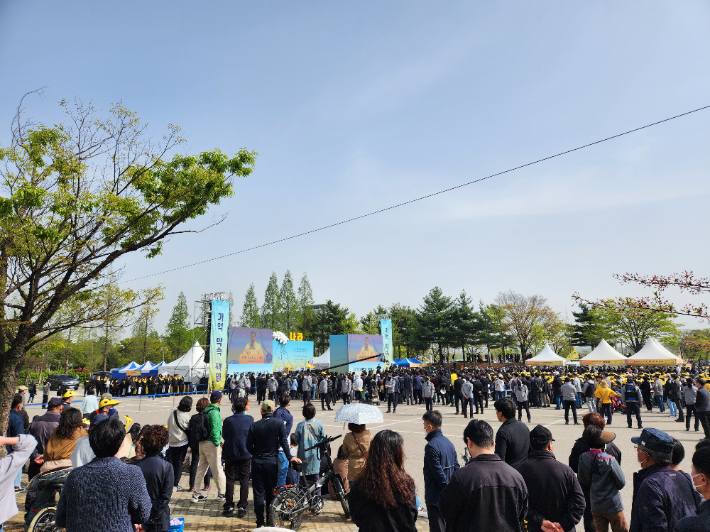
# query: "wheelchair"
41, 511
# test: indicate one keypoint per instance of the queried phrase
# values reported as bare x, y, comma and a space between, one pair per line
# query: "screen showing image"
364, 347
292, 356
250, 346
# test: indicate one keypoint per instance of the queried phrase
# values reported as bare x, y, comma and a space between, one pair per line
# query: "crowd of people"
510, 478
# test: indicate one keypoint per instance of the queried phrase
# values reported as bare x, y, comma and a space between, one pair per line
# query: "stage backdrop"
250, 350
218, 344
292, 356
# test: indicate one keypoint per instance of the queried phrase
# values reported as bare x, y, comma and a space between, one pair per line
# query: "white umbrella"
359, 414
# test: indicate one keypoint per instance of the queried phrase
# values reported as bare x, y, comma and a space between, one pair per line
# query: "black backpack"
200, 430
631, 393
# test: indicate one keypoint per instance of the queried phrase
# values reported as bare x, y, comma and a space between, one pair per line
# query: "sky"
354, 107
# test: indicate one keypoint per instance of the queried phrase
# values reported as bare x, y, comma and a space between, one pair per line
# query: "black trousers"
238, 469
632, 409
418, 396
457, 399
306, 396
467, 405
260, 395
45, 400
325, 400
648, 402
429, 404
436, 522
263, 480
679, 406
690, 411
479, 402
176, 456
485, 397
705, 422
524, 405
346, 398
391, 400
573, 405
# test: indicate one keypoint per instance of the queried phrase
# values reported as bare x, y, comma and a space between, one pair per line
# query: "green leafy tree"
433, 322
289, 304
75, 198
250, 310
307, 318
403, 320
178, 335
271, 309
331, 319
370, 323
587, 331
635, 326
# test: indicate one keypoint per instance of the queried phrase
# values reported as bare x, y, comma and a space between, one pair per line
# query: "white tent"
323, 361
546, 357
191, 365
603, 354
653, 354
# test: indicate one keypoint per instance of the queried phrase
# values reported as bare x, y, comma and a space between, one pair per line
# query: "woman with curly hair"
382, 498
158, 474
57, 453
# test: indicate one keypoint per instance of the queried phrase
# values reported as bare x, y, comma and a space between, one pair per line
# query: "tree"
307, 318
271, 309
494, 331
586, 331
465, 325
250, 311
635, 326
696, 344
178, 335
522, 314
403, 319
76, 198
370, 323
143, 327
331, 319
289, 304
433, 321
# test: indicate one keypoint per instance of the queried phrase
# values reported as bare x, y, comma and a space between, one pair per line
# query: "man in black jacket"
237, 460
486, 494
555, 495
513, 436
263, 441
158, 474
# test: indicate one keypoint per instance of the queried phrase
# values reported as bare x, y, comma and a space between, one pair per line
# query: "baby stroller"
617, 405
41, 511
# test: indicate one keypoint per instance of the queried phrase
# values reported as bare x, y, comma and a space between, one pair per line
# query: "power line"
396, 206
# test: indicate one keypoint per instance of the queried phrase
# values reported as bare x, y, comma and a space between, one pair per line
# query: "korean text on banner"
386, 330
218, 344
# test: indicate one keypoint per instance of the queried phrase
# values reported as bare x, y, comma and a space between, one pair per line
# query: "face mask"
697, 488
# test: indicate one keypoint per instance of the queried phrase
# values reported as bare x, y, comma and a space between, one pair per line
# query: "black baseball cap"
540, 433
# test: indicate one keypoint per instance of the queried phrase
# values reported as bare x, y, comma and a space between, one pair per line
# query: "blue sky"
353, 107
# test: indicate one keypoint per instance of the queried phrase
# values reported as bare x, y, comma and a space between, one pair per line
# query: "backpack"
630, 393
200, 428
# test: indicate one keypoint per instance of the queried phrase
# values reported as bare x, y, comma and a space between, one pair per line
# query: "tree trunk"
10, 367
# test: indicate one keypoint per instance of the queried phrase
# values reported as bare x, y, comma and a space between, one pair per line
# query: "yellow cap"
108, 402
69, 393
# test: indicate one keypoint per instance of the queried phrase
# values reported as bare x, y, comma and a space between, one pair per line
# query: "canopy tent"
546, 357
146, 368
323, 361
158, 368
120, 373
603, 354
191, 365
653, 354
408, 363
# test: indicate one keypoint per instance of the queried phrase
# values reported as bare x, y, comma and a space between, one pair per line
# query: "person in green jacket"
211, 450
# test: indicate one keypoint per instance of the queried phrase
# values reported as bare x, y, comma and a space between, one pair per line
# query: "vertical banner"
386, 330
218, 344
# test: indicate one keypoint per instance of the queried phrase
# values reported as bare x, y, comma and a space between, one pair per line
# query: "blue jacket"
662, 497
284, 414
15, 427
440, 464
417, 382
696, 523
234, 432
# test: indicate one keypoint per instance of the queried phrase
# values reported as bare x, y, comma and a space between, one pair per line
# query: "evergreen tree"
330, 320
402, 330
465, 324
433, 322
289, 305
271, 309
178, 334
250, 311
586, 331
307, 318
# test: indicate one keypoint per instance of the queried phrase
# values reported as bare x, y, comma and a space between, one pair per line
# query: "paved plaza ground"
407, 421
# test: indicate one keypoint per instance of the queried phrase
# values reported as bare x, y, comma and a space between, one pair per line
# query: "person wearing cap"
486, 494
555, 497
631, 396
68, 396
105, 407
211, 450
661, 495
41, 428
264, 438
601, 479
700, 475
